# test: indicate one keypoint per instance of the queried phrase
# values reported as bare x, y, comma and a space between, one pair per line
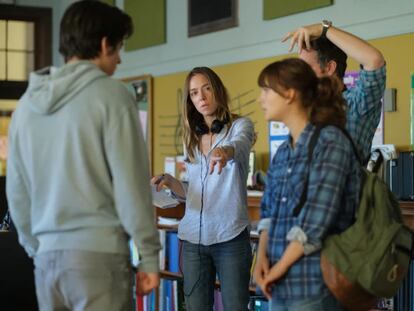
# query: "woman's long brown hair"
191, 117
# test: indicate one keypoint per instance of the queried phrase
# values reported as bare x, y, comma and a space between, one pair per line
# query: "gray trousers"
83, 281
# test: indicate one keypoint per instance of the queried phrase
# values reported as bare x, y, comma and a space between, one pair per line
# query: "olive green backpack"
371, 258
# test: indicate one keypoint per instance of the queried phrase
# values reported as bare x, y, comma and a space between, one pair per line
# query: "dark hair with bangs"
84, 25
321, 96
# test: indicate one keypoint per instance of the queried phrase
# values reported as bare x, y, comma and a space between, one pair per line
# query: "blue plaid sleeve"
364, 108
367, 93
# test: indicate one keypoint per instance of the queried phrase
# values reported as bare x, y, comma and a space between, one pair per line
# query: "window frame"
215, 25
42, 19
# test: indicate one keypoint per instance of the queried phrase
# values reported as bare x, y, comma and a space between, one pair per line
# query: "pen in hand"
160, 178
158, 182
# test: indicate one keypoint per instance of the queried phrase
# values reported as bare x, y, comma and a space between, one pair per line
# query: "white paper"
168, 221
162, 199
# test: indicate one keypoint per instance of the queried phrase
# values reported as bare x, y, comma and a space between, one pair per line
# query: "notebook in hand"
162, 199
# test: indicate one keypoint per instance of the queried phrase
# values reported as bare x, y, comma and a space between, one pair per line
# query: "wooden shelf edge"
170, 275
167, 227
178, 276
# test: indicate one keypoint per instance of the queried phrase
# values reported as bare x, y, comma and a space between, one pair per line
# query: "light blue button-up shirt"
224, 213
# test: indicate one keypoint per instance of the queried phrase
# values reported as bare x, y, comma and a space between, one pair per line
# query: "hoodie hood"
51, 88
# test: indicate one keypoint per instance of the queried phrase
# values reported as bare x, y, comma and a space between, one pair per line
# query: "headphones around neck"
216, 127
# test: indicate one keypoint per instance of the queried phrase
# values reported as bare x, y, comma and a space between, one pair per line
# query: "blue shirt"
330, 205
224, 214
364, 108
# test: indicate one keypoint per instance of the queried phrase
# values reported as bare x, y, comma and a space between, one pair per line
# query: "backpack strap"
356, 152
312, 142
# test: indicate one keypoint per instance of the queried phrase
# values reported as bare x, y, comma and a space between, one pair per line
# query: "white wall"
252, 39
255, 38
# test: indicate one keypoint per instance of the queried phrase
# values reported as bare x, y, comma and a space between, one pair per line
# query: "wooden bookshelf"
253, 204
174, 212
178, 213
407, 209
170, 275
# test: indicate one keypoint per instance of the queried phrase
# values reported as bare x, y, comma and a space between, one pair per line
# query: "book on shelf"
218, 302
162, 198
254, 247
163, 251
254, 193
254, 233
171, 296
258, 303
173, 252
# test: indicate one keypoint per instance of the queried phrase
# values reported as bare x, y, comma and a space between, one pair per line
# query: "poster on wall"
141, 89
278, 133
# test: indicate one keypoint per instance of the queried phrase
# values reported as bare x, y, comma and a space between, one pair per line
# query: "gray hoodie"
77, 172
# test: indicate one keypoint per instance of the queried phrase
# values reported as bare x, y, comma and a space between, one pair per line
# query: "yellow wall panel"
241, 78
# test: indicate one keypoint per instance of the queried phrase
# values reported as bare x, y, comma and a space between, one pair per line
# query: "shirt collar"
303, 137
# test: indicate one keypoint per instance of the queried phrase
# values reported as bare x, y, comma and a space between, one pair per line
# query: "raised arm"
360, 50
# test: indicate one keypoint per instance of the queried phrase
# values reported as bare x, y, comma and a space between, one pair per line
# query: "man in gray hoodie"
77, 174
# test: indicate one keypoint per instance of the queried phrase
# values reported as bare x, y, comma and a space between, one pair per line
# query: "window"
206, 16
25, 45
16, 50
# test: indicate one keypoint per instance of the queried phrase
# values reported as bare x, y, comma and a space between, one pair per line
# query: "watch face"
326, 23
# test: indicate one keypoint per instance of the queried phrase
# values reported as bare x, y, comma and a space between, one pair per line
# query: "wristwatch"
325, 26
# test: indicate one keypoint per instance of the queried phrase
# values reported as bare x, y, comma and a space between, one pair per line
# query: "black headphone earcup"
201, 129
217, 126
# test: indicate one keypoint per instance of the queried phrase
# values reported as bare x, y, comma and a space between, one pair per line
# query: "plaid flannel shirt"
331, 200
364, 108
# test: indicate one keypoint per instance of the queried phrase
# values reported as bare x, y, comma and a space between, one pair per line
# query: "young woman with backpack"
288, 261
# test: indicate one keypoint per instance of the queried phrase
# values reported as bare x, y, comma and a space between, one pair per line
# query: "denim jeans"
231, 260
325, 302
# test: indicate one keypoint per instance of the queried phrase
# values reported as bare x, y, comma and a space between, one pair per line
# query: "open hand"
303, 36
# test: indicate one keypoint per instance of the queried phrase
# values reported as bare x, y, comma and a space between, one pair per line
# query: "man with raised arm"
326, 48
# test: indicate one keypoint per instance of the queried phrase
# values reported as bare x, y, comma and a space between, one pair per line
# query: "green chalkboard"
278, 8
148, 17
